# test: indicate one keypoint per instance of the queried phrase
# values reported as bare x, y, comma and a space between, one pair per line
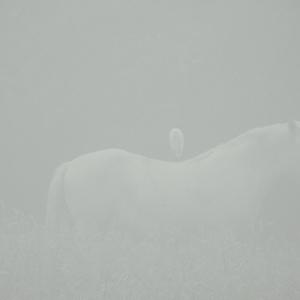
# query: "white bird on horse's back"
176, 140
117, 190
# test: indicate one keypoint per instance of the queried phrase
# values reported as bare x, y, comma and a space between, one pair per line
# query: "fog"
79, 77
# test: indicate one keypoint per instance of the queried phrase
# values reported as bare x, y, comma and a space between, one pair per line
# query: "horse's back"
115, 186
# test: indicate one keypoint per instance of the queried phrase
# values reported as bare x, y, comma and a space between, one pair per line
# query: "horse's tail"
56, 211
176, 139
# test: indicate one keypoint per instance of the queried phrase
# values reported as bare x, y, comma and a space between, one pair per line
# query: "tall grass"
116, 267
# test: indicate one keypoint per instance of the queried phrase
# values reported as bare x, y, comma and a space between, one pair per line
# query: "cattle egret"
176, 140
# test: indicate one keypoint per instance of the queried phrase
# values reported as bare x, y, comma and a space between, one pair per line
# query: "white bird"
176, 140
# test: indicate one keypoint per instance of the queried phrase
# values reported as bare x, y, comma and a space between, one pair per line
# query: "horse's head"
281, 150
277, 147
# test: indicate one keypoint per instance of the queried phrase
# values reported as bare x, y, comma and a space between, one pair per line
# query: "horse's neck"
242, 166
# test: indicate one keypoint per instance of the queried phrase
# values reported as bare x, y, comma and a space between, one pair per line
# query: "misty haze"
150, 150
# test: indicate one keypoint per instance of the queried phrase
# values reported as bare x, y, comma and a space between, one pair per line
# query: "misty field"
115, 267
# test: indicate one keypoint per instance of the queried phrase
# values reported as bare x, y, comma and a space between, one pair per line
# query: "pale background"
78, 76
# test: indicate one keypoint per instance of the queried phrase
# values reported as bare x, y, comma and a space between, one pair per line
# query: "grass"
115, 267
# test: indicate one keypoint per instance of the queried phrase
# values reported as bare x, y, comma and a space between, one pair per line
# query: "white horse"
227, 186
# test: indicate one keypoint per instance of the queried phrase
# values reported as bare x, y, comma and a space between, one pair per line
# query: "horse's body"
116, 190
